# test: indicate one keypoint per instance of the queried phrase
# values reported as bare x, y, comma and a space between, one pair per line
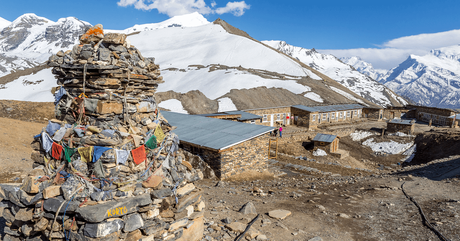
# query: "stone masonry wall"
249, 155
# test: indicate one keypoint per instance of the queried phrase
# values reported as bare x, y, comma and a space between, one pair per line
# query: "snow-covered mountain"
343, 73
207, 67
187, 20
364, 67
4, 23
431, 80
29, 40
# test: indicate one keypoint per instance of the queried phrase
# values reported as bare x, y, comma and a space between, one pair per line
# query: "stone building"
393, 112
229, 147
273, 116
312, 117
399, 125
375, 113
328, 143
438, 116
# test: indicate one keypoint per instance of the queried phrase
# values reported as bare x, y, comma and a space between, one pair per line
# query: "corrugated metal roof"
212, 133
329, 108
401, 121
244, 115
324, 138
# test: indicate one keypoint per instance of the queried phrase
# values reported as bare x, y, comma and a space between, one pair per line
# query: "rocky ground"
359, 197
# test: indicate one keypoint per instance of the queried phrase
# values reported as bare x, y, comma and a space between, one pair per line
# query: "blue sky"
330, 25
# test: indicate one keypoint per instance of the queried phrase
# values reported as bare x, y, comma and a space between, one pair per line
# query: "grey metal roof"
401, 121
457, 117
324, 137
212, 133
244, 115
329, 108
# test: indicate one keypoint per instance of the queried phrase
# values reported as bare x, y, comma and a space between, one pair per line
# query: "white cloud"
169, 7
397, 50
385, 58
426, 41
180, 7
236, 8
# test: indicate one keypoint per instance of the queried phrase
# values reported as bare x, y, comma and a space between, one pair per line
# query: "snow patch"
390, 147
226, 104
359, 135
313, 96
410, 153
173, 105
347, 95
214, 84
34, 87
319, 152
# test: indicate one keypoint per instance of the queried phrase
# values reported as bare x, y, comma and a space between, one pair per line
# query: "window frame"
324, 116
348, 113
265, 118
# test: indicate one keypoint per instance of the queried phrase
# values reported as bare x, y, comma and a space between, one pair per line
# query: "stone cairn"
108, 167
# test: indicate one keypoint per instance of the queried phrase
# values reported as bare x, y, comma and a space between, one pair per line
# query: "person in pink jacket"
281, 131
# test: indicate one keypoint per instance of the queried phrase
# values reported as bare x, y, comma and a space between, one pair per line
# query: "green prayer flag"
152, 142
68, 152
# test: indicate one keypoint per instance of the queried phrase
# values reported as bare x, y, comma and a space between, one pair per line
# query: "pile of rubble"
108, 167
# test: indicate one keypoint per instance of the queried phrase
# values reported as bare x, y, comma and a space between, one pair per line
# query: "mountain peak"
28, 20
187, 20
4, 23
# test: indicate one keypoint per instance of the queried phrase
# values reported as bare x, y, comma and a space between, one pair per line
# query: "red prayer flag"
56, 151
139, 155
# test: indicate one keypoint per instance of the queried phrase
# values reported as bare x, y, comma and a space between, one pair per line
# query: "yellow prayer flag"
86, 153
159, 134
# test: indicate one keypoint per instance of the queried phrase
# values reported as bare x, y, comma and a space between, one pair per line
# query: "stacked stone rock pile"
109, 167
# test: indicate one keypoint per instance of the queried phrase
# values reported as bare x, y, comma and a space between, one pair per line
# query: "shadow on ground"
436, 171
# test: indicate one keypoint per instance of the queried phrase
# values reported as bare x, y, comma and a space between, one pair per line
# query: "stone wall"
394, 127
376, 114
249, 155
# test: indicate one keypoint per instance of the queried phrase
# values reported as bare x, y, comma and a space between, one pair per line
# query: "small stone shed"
237, 115
229, 147
326, 142
399, 125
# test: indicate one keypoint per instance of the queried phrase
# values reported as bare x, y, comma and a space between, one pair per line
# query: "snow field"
173, 105
359, 135
390, 147
226, 104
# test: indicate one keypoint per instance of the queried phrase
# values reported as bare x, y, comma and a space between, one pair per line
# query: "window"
355, 112
278, 117
333, 115
341, 114
348, 113
313, 117
324, 116
253, 122
265, 118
